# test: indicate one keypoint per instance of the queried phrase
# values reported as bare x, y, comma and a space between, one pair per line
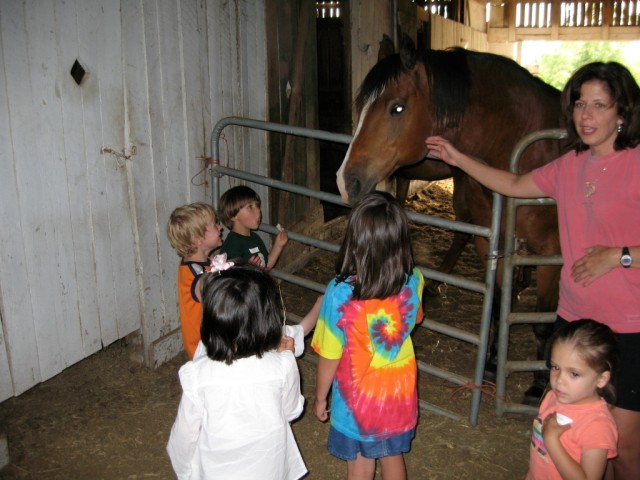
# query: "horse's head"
393, 119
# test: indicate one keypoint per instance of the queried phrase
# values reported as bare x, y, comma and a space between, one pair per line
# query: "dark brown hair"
624, 92
376, 254
597, 346
233, 200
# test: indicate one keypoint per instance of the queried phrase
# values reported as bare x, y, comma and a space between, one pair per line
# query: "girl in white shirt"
238, 400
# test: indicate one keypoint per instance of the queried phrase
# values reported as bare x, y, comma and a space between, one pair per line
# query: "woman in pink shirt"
596, 186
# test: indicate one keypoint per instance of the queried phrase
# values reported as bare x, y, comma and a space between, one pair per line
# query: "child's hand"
551, 427
320, 410
255, 260
286, 344
281, 239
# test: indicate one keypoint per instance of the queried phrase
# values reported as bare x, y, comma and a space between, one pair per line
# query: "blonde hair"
187, 222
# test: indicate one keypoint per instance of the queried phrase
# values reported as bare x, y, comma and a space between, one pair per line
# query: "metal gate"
512, 260
479, 340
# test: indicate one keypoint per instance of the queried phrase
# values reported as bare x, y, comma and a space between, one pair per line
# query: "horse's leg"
460, 239
402, 189
547, 279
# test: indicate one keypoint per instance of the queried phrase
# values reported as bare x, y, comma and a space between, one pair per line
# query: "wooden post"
297, 79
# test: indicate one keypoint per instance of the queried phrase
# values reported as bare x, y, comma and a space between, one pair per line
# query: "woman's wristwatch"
625, 259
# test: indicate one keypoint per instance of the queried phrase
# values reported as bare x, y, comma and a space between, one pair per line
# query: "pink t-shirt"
592, 427
610, 216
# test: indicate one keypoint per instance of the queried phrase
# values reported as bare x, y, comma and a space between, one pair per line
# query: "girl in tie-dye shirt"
363, 339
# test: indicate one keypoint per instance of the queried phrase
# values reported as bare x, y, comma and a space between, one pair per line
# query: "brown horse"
484, 104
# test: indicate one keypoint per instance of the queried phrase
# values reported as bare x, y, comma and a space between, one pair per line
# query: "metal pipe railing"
486, 288
511, 260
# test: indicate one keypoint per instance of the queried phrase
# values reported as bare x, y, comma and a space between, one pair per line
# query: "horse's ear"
408, 53
386, 47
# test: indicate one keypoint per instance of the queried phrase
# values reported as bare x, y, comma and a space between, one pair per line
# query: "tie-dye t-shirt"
374, 393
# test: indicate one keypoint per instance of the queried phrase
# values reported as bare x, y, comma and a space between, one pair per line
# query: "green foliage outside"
556, 68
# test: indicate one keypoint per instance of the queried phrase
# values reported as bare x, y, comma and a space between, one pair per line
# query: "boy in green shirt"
240, 212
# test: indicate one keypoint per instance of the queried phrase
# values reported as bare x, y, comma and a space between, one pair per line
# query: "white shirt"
233, 420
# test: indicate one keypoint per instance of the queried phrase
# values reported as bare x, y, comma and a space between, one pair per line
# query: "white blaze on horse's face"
340, 173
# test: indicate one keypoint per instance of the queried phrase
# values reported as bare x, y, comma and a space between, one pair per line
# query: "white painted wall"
84, 258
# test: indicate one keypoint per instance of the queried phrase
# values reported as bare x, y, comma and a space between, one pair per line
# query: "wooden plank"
140, 48
256, 80
171, 162
250, 100
175, 164
16, 315
120, 214
85, 324
59, 338
111, 218
220, 78
594, 34
33, 343
369, 21
192, 39
193, 56
99, 168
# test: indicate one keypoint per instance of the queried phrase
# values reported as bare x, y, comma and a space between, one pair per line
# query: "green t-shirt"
240, 246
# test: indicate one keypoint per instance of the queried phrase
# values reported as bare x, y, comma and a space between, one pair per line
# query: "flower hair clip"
219, 263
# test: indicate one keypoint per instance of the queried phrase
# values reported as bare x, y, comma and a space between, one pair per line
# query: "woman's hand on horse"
442, 149
598, 260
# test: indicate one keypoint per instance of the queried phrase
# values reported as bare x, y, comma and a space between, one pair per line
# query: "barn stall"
106, 113
112, 103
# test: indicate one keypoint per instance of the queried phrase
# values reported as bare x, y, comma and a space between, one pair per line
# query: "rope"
488, 388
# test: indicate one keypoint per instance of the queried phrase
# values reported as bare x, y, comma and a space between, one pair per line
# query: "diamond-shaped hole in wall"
78, 72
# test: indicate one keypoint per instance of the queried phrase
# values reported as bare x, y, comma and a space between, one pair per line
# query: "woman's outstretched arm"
501, 181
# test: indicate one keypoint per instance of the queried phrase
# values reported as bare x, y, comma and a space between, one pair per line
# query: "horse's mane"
450, 85
449, 78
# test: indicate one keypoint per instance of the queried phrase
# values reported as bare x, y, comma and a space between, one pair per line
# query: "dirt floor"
109, 418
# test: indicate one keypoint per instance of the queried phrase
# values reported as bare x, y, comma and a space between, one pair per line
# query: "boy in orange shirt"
194, 232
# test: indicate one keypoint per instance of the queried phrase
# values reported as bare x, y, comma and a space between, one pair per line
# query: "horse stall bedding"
107, 417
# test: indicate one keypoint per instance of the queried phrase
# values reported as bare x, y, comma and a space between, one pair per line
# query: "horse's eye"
397, 109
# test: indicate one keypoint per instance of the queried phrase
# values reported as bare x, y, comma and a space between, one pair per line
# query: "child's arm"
592, 463
286, 343
281, 240
326, 371
309, 321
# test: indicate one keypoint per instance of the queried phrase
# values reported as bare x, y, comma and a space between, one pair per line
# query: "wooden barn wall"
370, 19
447, 33
292, 99
89, 173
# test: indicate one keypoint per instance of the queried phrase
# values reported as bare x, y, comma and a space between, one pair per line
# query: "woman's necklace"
590, 185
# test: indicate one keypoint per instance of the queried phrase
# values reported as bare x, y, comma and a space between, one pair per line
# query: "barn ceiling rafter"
513, 20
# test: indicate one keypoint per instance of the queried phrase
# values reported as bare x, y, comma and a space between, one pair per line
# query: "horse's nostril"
354, 188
